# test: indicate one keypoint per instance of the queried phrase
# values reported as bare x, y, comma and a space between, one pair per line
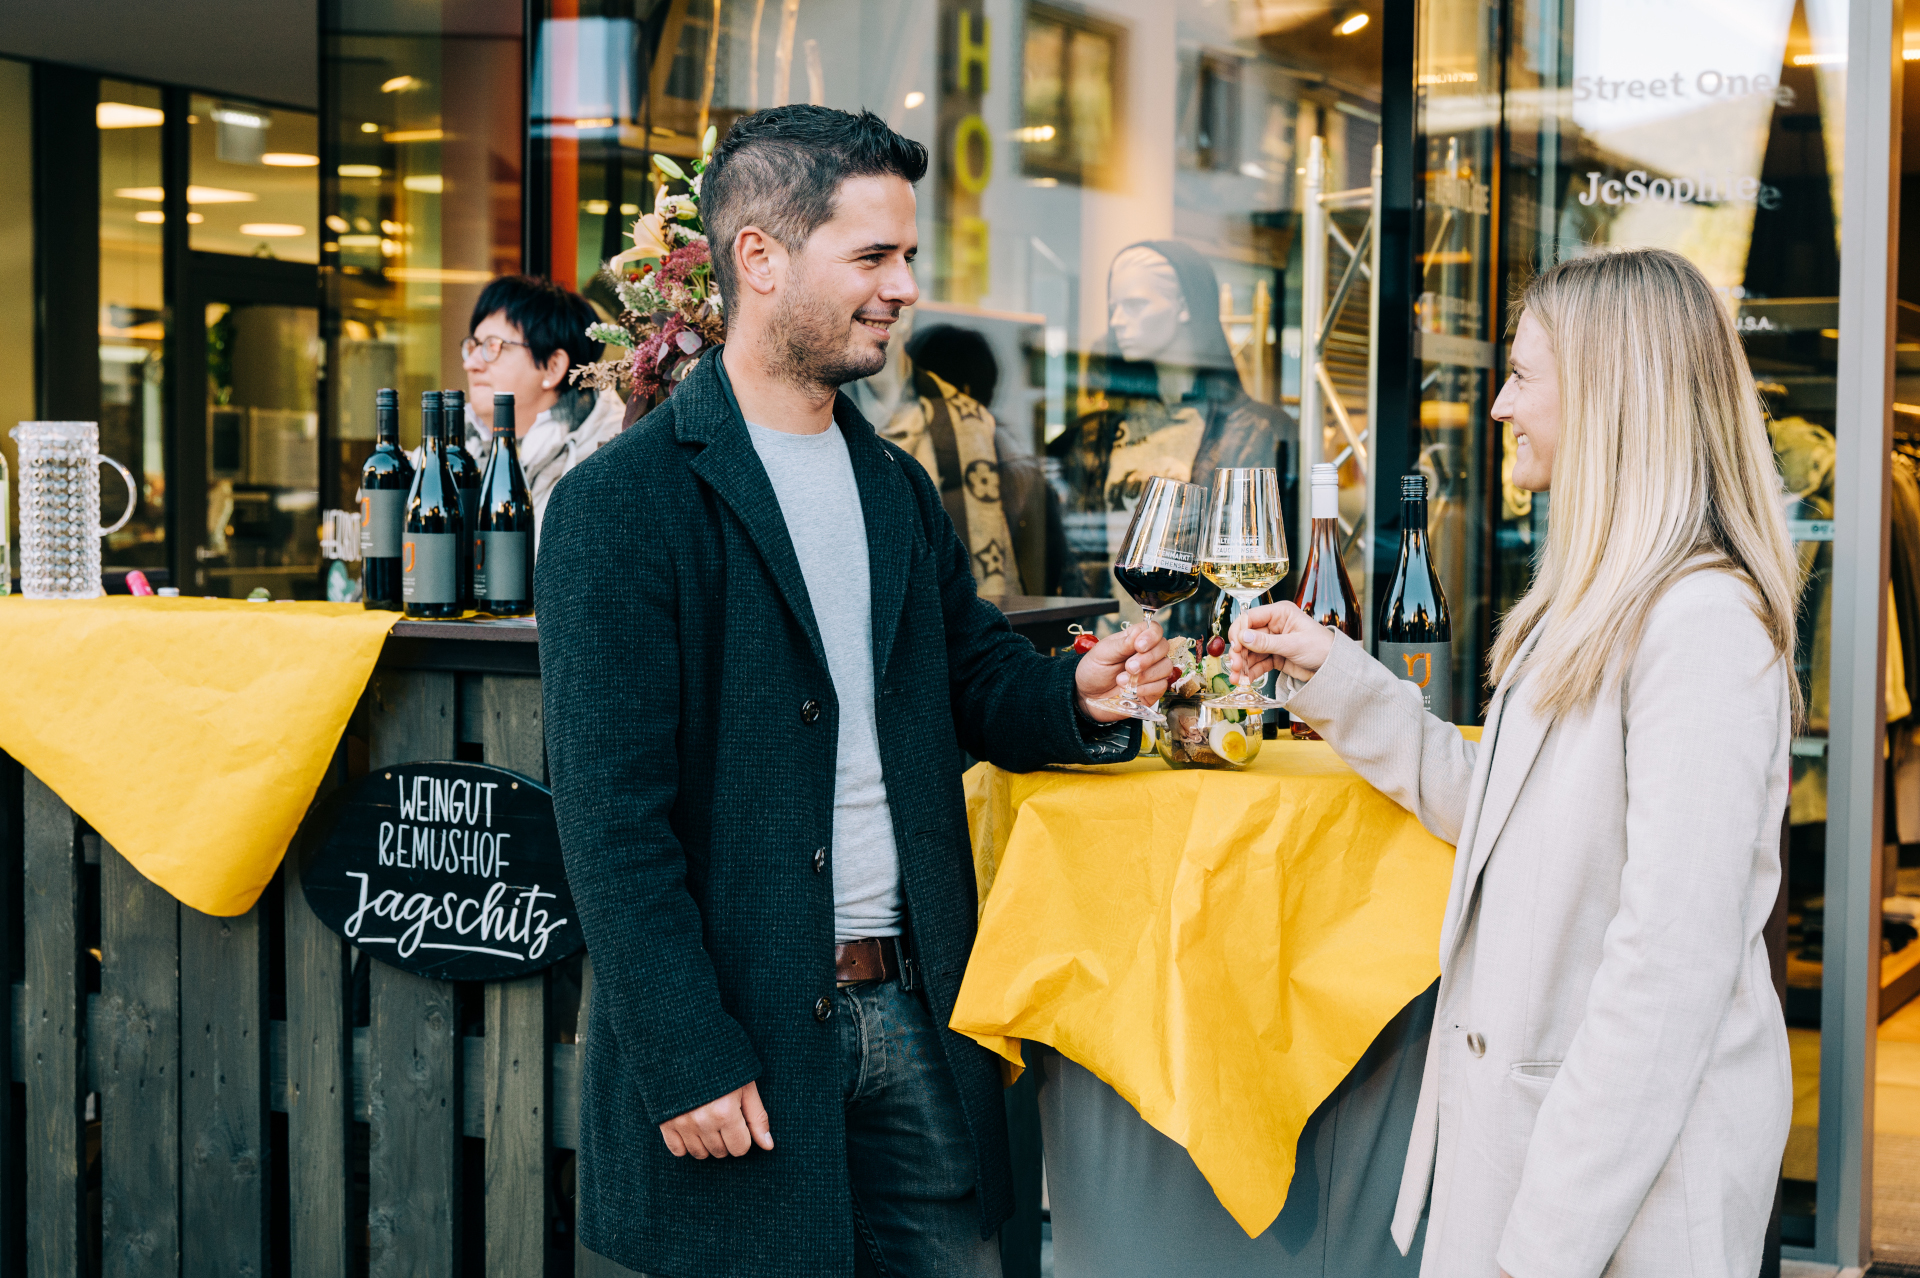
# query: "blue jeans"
910, 1159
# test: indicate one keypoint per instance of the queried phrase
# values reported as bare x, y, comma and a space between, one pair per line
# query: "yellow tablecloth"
1220, 948
191, 733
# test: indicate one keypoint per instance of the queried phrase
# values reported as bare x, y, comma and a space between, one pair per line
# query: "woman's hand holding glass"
1277, 636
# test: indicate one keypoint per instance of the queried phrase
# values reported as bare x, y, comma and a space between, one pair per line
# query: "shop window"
16, 271
1211, 115
255, 189
133, 326
1071, 130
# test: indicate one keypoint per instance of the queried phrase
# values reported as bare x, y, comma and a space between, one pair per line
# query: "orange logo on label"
1425, 661
406, 556
366, 509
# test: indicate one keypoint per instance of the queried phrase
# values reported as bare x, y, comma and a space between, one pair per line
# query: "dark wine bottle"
1326, 592
503, 525
466, 478
430, 573
1416, 633
385, 481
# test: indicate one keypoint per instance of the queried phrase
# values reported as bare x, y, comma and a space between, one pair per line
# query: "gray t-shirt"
813, 478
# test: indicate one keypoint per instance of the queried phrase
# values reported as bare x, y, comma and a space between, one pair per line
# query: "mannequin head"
1145, 305
1163, 317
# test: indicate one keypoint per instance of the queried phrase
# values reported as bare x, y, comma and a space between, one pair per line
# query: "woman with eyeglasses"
527, 335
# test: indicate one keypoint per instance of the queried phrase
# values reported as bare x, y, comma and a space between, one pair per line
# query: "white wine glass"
1244, 552
1157, 565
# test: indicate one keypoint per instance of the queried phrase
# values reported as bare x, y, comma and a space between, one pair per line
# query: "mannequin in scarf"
1175, 406
990, 481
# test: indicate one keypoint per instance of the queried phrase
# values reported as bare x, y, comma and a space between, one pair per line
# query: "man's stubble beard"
811, 343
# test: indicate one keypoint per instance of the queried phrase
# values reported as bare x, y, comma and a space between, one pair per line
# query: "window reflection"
255, 188
132, 314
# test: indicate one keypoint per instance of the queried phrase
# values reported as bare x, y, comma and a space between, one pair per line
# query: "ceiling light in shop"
413, 135
399, 84
359, 241
1351, 25
1034, 133
629, 210
124, 115
437, 275
337, 223
272, 230
195, 195
358, 170
369, 127
1820, 59
289, 160
599, 122
425, 183
152, 217
596, 208
914, 99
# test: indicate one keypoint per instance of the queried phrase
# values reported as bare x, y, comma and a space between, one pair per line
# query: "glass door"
263, 450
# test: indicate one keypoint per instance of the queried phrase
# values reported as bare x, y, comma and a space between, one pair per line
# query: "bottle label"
1428, 666
430, 568
500, 566
383, 516
1171, 562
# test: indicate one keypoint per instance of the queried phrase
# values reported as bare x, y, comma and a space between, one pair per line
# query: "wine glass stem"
1240, 604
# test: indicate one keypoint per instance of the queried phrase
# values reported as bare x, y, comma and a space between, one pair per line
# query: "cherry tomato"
1216, 646
1083, 644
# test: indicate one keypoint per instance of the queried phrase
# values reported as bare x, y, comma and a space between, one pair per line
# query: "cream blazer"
1607, 1088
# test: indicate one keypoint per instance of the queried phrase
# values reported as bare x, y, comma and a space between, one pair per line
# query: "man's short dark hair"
781, 169
550, 318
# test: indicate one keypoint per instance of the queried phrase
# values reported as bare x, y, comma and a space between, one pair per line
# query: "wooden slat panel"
13, 1215
319, 1072
223, 1093
56, 1029
517, 1085
413, 1084
137, 1056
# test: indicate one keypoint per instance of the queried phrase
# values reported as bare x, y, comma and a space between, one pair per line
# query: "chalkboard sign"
450, 870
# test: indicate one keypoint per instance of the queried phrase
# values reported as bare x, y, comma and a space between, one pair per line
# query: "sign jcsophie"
448, 870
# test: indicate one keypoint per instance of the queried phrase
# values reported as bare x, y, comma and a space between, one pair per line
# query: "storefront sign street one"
448, 870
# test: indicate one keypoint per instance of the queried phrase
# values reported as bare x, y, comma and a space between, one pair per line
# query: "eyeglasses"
489, 346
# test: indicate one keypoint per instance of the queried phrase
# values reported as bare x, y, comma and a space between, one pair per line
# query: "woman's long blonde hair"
1663, 467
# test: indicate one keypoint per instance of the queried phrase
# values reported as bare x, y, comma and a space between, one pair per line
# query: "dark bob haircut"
781, 169
550, 318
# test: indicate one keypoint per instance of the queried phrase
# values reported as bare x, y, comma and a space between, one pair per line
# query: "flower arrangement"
670, 302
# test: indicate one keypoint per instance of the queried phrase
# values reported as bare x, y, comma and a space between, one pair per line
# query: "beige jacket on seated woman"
1607, 1088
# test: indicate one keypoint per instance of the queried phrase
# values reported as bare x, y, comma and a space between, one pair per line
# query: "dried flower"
672, 311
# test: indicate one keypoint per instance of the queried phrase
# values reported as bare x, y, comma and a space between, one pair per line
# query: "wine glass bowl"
1244, 552
1156, 565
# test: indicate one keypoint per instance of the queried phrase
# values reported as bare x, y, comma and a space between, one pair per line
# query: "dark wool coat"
691, 733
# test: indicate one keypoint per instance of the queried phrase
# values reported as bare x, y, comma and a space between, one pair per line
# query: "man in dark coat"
763, 659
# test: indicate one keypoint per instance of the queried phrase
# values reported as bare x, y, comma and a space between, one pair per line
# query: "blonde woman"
1607, 1086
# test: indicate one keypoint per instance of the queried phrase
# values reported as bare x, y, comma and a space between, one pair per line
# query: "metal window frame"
1850, 986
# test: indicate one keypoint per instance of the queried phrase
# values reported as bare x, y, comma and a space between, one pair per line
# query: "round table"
1218, 975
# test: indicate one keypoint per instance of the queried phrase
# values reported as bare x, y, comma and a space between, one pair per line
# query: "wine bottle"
466, 478
385, 482
503, 525
1326, 592
430, 548
1416, 633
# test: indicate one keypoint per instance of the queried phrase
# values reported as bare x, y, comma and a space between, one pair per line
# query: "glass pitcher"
60, 528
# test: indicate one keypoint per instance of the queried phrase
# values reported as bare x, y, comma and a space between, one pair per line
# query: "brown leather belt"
875, 959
